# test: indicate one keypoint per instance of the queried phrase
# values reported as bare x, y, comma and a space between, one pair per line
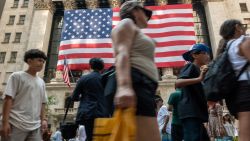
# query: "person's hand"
125, 97
203, 70
6, 130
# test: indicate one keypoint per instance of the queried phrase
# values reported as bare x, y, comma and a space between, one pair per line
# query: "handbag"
121, 127
68, 129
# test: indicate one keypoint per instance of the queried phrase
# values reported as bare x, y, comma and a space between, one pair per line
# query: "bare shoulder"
124, 25
247, 39
246, 42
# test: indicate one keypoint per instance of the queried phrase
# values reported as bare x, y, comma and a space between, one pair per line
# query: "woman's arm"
122, 38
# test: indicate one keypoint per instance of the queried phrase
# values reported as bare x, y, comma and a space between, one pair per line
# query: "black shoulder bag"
68, 129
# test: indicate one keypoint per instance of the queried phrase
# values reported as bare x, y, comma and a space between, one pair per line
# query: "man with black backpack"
90, 92
192, 106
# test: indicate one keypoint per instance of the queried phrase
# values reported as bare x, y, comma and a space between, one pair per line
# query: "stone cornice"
69, 4
44, 5
115, 3
204, 1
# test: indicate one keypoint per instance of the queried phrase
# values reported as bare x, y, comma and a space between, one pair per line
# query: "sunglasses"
244, 26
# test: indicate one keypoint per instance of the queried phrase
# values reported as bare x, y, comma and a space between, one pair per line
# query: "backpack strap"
242, 70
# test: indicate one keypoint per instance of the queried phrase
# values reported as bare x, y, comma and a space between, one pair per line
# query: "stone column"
216, 13
40, 28
167, 85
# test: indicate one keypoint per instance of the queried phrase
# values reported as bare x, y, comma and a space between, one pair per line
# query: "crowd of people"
188, 116
219, 127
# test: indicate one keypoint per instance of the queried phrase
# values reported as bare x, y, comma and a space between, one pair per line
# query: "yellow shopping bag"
121, 127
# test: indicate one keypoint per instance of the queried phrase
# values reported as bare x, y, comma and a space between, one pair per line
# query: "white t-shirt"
82, 133
230, 129
238, 61
162, 113
57, 136
28, 94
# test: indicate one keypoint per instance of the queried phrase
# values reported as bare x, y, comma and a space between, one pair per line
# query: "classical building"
27, 24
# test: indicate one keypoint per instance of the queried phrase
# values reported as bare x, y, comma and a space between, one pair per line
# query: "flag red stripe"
172, 43
87, 55
157, 17
72, 46
169, 7
82, 66
170, 24
171, 64
86, 66
174, 33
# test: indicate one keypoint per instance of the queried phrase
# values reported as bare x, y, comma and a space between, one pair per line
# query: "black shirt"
193, 102
89, 90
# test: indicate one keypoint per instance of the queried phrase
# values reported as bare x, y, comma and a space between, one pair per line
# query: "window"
2, 57
25, 3
21, 20
13, 57
18, 37
11, 20
243, 7
15, 4
6, 38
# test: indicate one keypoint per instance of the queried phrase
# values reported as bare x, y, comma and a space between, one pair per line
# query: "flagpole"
73, 79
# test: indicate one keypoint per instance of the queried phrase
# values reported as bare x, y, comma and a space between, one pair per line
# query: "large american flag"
86, 34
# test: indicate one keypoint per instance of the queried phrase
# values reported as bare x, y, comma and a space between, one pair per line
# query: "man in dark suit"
90, 92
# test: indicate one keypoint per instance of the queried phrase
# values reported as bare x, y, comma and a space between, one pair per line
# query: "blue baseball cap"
196, 47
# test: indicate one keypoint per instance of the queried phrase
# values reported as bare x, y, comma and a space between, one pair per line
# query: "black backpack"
109, 85
220, 81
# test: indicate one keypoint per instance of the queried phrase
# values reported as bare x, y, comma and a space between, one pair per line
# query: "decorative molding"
206, 1
44, 5
69, 4
91, 4
186, 1
115, 3
161, 2
213, 0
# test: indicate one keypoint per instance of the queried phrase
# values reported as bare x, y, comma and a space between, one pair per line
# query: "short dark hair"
34, 53
96, 64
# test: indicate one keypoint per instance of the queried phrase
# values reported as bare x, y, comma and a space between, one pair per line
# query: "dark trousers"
194, 130
89, 126
176, 132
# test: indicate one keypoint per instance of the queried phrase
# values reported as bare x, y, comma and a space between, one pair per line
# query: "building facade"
27, 24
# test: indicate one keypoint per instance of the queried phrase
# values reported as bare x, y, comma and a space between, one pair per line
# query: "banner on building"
86, 34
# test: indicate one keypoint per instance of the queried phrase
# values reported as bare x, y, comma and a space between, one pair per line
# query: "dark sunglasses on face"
244, 26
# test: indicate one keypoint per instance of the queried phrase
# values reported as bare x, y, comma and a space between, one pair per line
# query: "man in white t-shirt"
163, 119
24, 101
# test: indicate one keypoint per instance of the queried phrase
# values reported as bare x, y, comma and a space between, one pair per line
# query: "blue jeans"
194, 130
166, 137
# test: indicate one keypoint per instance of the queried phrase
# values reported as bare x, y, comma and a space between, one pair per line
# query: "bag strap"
67, 108
242, 70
